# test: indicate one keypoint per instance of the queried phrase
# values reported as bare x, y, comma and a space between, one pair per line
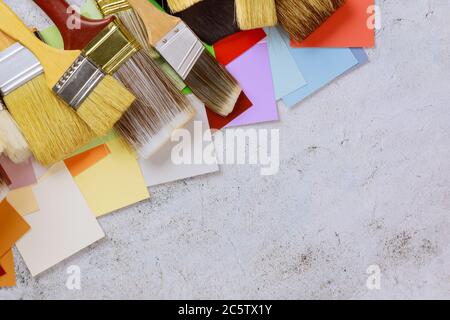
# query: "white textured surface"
364, 179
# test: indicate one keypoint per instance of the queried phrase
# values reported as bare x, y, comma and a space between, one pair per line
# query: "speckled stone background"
364, 179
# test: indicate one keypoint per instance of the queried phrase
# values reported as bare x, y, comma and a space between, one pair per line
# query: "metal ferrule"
110, 7
78, 82
181, 48
17, 66
111, 48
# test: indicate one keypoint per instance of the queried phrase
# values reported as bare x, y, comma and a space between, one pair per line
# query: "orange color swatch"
83, 161
233, 46
7, 264
350, 26
12, 227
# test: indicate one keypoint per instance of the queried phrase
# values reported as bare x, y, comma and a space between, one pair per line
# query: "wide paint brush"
300, 18
182, 49
13, 143
97, 98
252, 14
159, 108
52, 130
211, 20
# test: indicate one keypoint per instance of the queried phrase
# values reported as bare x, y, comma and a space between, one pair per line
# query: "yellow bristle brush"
182, 49
253, 14
180, 5
97, 98
300, 18
51, 129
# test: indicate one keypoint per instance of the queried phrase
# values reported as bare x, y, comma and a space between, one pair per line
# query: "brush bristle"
15, 146
252, 14
52, 129
211, 20
133, 23
213, 85
105, 105
158, 110
180, 5
300, 18
3, 189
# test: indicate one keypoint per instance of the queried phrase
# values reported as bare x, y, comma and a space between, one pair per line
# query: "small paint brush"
97, 98
180, 5
159, 108
253, 14
211, 20
182, 49
51, 129
14, 144
300, 18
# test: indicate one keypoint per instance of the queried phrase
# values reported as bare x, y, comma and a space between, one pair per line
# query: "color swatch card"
252, 71
20, 175
319, 66
114, 182
8, 279
63, 226
287, 78
12, 227
351, 26
23, 200
161, 168
233, 46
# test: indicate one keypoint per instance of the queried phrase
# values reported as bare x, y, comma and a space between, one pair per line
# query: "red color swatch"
233, 46
347, 27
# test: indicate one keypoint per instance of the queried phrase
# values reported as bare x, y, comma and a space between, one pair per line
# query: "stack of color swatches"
50, 208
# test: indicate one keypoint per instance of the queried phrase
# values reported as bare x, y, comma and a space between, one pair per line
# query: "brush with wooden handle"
98, 99
52, 130
182, 49
300, 18
159, 108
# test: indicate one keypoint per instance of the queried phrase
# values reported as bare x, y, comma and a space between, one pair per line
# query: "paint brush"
51, 129
300, 18
14, 144
159, 108
97, 98
253, 14
180, 5
211, 20
182, 49
3, 188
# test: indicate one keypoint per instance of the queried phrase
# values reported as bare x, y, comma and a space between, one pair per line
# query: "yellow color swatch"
114, 182
23, 200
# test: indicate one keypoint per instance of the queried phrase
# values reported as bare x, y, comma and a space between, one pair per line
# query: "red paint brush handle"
77, 31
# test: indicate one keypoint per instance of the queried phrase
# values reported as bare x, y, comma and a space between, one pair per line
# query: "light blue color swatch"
287, 78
